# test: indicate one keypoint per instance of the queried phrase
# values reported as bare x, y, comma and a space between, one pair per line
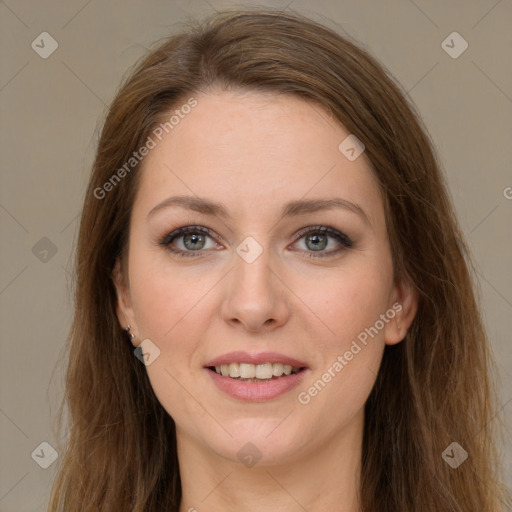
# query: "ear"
124, 309
404, 302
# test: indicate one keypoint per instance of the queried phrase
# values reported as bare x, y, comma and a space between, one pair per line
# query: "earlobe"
404, 302
124, 309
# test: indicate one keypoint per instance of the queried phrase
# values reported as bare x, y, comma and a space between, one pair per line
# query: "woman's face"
269, 287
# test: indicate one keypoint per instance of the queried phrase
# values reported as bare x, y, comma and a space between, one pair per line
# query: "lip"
260, 358
257, 391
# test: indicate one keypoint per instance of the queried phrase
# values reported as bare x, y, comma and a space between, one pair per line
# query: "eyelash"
342, 238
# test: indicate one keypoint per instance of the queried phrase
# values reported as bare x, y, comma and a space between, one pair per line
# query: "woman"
274, 308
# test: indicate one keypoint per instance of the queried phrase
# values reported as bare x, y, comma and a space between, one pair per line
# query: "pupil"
194, 239
319, 242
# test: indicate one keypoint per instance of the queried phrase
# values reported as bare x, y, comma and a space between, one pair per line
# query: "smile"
254, 372
256, 389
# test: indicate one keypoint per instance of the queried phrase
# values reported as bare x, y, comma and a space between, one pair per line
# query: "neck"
325, 478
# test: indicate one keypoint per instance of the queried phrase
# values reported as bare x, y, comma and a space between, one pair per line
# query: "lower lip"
256, 391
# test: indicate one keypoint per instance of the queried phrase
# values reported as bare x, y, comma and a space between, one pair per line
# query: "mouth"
256, 377
246, 372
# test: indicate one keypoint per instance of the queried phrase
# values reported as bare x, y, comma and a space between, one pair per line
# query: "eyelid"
345, 241
325, 229
180, 231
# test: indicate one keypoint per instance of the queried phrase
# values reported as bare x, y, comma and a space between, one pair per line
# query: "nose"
255, 296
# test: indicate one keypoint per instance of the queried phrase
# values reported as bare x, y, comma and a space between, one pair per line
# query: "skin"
268, 150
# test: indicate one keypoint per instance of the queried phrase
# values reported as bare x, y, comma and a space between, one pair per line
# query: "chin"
258, 441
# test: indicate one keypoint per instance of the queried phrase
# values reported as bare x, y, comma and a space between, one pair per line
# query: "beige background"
51, 112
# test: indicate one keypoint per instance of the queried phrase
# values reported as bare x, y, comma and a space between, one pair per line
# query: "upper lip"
260, 358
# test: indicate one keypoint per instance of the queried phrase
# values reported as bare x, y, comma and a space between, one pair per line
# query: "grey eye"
316, 242
194, 241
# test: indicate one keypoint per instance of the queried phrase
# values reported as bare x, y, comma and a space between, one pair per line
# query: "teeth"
247, 371
259, 371
277, 369
264, 371
234, 370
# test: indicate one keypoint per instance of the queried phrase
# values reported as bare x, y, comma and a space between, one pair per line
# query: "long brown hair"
433, 389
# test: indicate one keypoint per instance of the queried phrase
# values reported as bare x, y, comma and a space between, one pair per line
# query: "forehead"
255, 152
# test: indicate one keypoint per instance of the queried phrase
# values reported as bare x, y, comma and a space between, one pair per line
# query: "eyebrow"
293, 208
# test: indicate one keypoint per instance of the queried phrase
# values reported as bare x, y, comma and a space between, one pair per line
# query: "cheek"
164, 296
168, 304
350, 303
